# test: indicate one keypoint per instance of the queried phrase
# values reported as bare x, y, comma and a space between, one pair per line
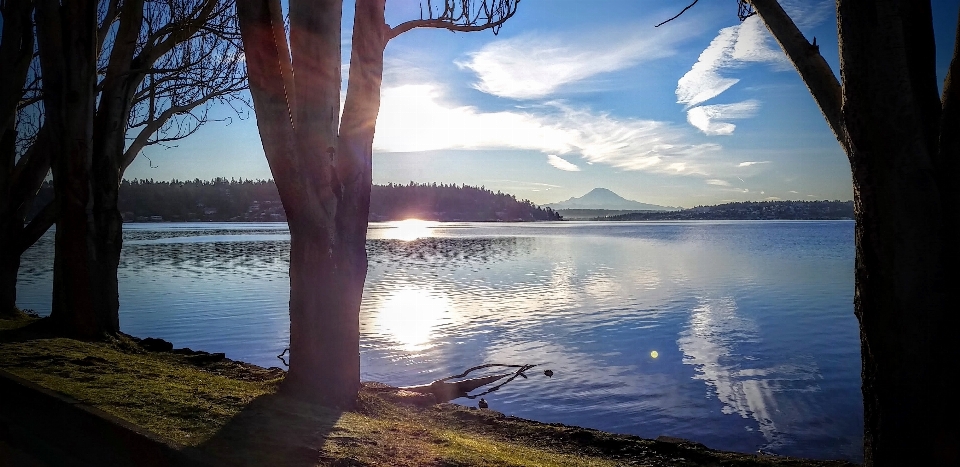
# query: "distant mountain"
602, 198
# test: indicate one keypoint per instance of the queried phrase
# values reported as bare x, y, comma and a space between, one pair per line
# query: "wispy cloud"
809, 13
718, 182
414, 118
734, 47
703, 81
533, 66
562, 163
749, 163
709, 118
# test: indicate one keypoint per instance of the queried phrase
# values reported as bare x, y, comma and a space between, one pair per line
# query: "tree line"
221, 199
749, 210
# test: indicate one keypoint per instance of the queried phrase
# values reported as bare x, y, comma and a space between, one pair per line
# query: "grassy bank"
231, 413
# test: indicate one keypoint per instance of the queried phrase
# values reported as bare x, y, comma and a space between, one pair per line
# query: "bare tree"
160, 65
902, 139
322, 164
17, 98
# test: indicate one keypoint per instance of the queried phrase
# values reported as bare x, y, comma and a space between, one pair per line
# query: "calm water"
752, 322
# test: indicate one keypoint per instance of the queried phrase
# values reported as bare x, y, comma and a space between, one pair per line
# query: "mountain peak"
603, 198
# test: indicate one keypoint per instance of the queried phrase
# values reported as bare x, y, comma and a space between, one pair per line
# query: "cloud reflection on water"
714, 342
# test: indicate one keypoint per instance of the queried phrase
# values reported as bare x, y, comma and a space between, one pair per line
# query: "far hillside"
750, 210
259, 201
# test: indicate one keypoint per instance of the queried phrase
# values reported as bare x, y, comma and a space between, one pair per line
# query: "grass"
231, 413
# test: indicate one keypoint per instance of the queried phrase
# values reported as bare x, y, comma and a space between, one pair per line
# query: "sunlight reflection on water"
739, 335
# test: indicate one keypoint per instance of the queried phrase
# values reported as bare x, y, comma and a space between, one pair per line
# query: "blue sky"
573, 95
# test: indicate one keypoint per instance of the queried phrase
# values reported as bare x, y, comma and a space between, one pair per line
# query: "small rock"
156, 345
203, 358
482, 404
549, 373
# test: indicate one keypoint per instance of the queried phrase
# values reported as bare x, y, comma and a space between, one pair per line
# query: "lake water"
738, 335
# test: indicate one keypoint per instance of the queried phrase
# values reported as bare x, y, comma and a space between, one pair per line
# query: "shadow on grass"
273, 429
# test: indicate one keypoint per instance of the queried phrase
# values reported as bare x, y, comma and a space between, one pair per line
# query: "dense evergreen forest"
258, 200
750, 210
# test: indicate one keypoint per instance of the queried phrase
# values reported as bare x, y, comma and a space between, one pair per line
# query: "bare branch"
109, 16
678, 14
806, 58
462, 16
38, 226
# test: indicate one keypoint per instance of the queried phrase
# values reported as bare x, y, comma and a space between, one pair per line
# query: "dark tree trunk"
9, 266
109, 139
16, 52
892, 112
904, 150
902, 142
67, 38
324, 322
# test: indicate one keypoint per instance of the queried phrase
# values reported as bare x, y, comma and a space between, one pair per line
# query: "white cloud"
734, 47
755, 44
708, 118
749, 163
561, 163
531, 66
808, 13
794, 192
703, 81
414, 118
718, 182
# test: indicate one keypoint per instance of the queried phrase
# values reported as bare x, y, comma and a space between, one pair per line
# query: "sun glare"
409, 229
409, 315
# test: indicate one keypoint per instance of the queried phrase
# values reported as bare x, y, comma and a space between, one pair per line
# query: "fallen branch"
444, 390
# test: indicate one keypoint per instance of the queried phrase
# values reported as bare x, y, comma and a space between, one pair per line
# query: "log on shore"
446, 391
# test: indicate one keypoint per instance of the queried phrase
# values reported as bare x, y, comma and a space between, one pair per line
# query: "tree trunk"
891, 112
9, 266
67, 39
109, 139
902, 143
324, 321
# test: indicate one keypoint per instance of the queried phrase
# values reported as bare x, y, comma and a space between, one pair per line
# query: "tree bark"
323, 170
16, 52
67, 39
121, 79
901, 143
891, 112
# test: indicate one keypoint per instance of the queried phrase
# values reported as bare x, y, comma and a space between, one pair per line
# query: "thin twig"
678, 14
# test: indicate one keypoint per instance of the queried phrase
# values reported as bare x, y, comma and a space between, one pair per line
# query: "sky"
573, 95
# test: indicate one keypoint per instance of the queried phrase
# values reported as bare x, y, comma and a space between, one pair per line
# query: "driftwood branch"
445, 390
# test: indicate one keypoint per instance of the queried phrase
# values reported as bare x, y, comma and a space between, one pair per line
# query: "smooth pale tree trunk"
324, 170
323, 175
67, 40
109, 140
902, 142
298, 127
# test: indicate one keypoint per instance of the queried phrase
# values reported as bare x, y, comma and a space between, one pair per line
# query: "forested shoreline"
223, 200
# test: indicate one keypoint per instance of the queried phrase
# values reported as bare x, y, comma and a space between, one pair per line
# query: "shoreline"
223, 412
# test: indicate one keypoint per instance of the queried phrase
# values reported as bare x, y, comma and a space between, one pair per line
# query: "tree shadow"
273, 429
